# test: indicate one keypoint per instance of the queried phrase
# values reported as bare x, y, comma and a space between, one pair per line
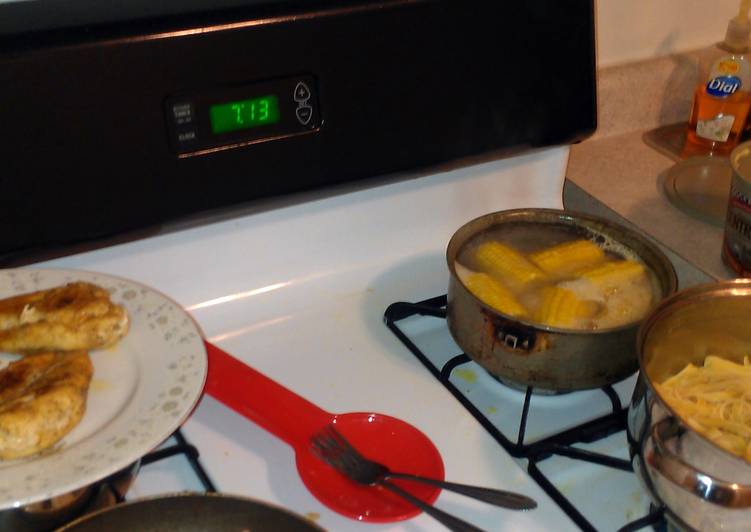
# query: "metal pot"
548, 358
188, 512
703, 486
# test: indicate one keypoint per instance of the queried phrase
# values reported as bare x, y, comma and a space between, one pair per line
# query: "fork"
331, 447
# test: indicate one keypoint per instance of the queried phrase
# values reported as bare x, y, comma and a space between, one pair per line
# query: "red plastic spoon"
288, 416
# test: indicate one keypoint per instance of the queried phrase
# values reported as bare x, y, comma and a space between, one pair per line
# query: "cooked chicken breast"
42, 398
75, 316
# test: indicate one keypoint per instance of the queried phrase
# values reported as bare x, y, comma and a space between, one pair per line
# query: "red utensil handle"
263, 401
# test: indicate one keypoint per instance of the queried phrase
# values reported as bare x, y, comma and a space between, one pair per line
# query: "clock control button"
186, 136
302, 92
304, 113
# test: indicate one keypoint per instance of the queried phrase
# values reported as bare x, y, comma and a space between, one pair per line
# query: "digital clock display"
244, 114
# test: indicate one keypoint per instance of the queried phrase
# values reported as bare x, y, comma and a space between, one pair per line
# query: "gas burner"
523, 389
51, 513
573, 445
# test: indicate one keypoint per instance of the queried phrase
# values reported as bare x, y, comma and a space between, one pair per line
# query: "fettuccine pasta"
715, 400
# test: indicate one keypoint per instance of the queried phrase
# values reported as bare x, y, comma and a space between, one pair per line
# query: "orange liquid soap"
716, 123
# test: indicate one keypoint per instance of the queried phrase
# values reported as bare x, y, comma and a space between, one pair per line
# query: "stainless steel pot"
702, 486
548, 358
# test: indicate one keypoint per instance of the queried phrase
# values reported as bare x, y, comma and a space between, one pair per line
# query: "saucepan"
550, 359
703, 485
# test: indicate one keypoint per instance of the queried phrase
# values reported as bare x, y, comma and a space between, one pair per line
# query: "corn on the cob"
491, 292
614, 274
563, 259
507, 264
561, 308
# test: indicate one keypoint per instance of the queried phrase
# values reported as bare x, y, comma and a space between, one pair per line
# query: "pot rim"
671, 304
525, 214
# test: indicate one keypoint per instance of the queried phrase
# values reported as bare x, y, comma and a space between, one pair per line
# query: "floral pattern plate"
141, 391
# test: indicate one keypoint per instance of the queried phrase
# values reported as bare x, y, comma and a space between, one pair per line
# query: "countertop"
616, 174
620, 177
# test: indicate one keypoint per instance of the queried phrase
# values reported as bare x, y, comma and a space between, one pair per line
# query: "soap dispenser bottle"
722, 98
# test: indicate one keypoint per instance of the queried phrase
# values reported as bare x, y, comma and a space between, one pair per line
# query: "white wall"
629, 30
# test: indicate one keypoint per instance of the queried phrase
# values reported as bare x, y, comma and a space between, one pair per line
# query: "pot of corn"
552, 299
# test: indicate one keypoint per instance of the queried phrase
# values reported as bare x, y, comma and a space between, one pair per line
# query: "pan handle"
513, 335
262, 400
684, 475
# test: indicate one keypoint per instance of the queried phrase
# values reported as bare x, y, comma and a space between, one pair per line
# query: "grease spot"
169, 405
313, 516
466, 375
129, 294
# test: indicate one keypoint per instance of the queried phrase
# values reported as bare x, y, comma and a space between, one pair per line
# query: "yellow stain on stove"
466, 375
313, 516
566, 487
492, 410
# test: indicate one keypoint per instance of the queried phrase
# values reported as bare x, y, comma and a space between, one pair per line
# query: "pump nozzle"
743, 10
739, 29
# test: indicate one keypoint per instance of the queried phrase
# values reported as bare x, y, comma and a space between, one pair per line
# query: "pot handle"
672, 467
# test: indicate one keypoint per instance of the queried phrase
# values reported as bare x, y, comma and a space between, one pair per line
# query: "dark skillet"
189, 512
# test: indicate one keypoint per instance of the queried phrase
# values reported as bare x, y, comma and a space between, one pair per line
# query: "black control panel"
113, 129
203, 122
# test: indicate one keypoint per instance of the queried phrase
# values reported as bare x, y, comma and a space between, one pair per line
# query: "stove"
584, 467
287, 235
297, 288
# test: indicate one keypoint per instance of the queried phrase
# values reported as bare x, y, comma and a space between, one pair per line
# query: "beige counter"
625, 175
617, 174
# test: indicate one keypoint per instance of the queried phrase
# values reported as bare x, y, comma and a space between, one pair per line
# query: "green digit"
237, 108
243, 114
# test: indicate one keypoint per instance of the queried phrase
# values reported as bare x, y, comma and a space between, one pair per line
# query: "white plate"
141, 391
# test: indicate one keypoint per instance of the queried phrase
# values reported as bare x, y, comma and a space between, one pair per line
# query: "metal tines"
331, 447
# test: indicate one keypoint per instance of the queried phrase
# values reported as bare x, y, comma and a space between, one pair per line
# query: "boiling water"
620, 305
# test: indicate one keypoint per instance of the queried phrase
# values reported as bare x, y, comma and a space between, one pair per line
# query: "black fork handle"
504, 499
449, 521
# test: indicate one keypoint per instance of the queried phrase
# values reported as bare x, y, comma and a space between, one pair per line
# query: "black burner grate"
112, 490
117, 485
191, 454
560, 444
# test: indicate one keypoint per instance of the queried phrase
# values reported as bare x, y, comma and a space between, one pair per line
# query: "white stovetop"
299, 292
